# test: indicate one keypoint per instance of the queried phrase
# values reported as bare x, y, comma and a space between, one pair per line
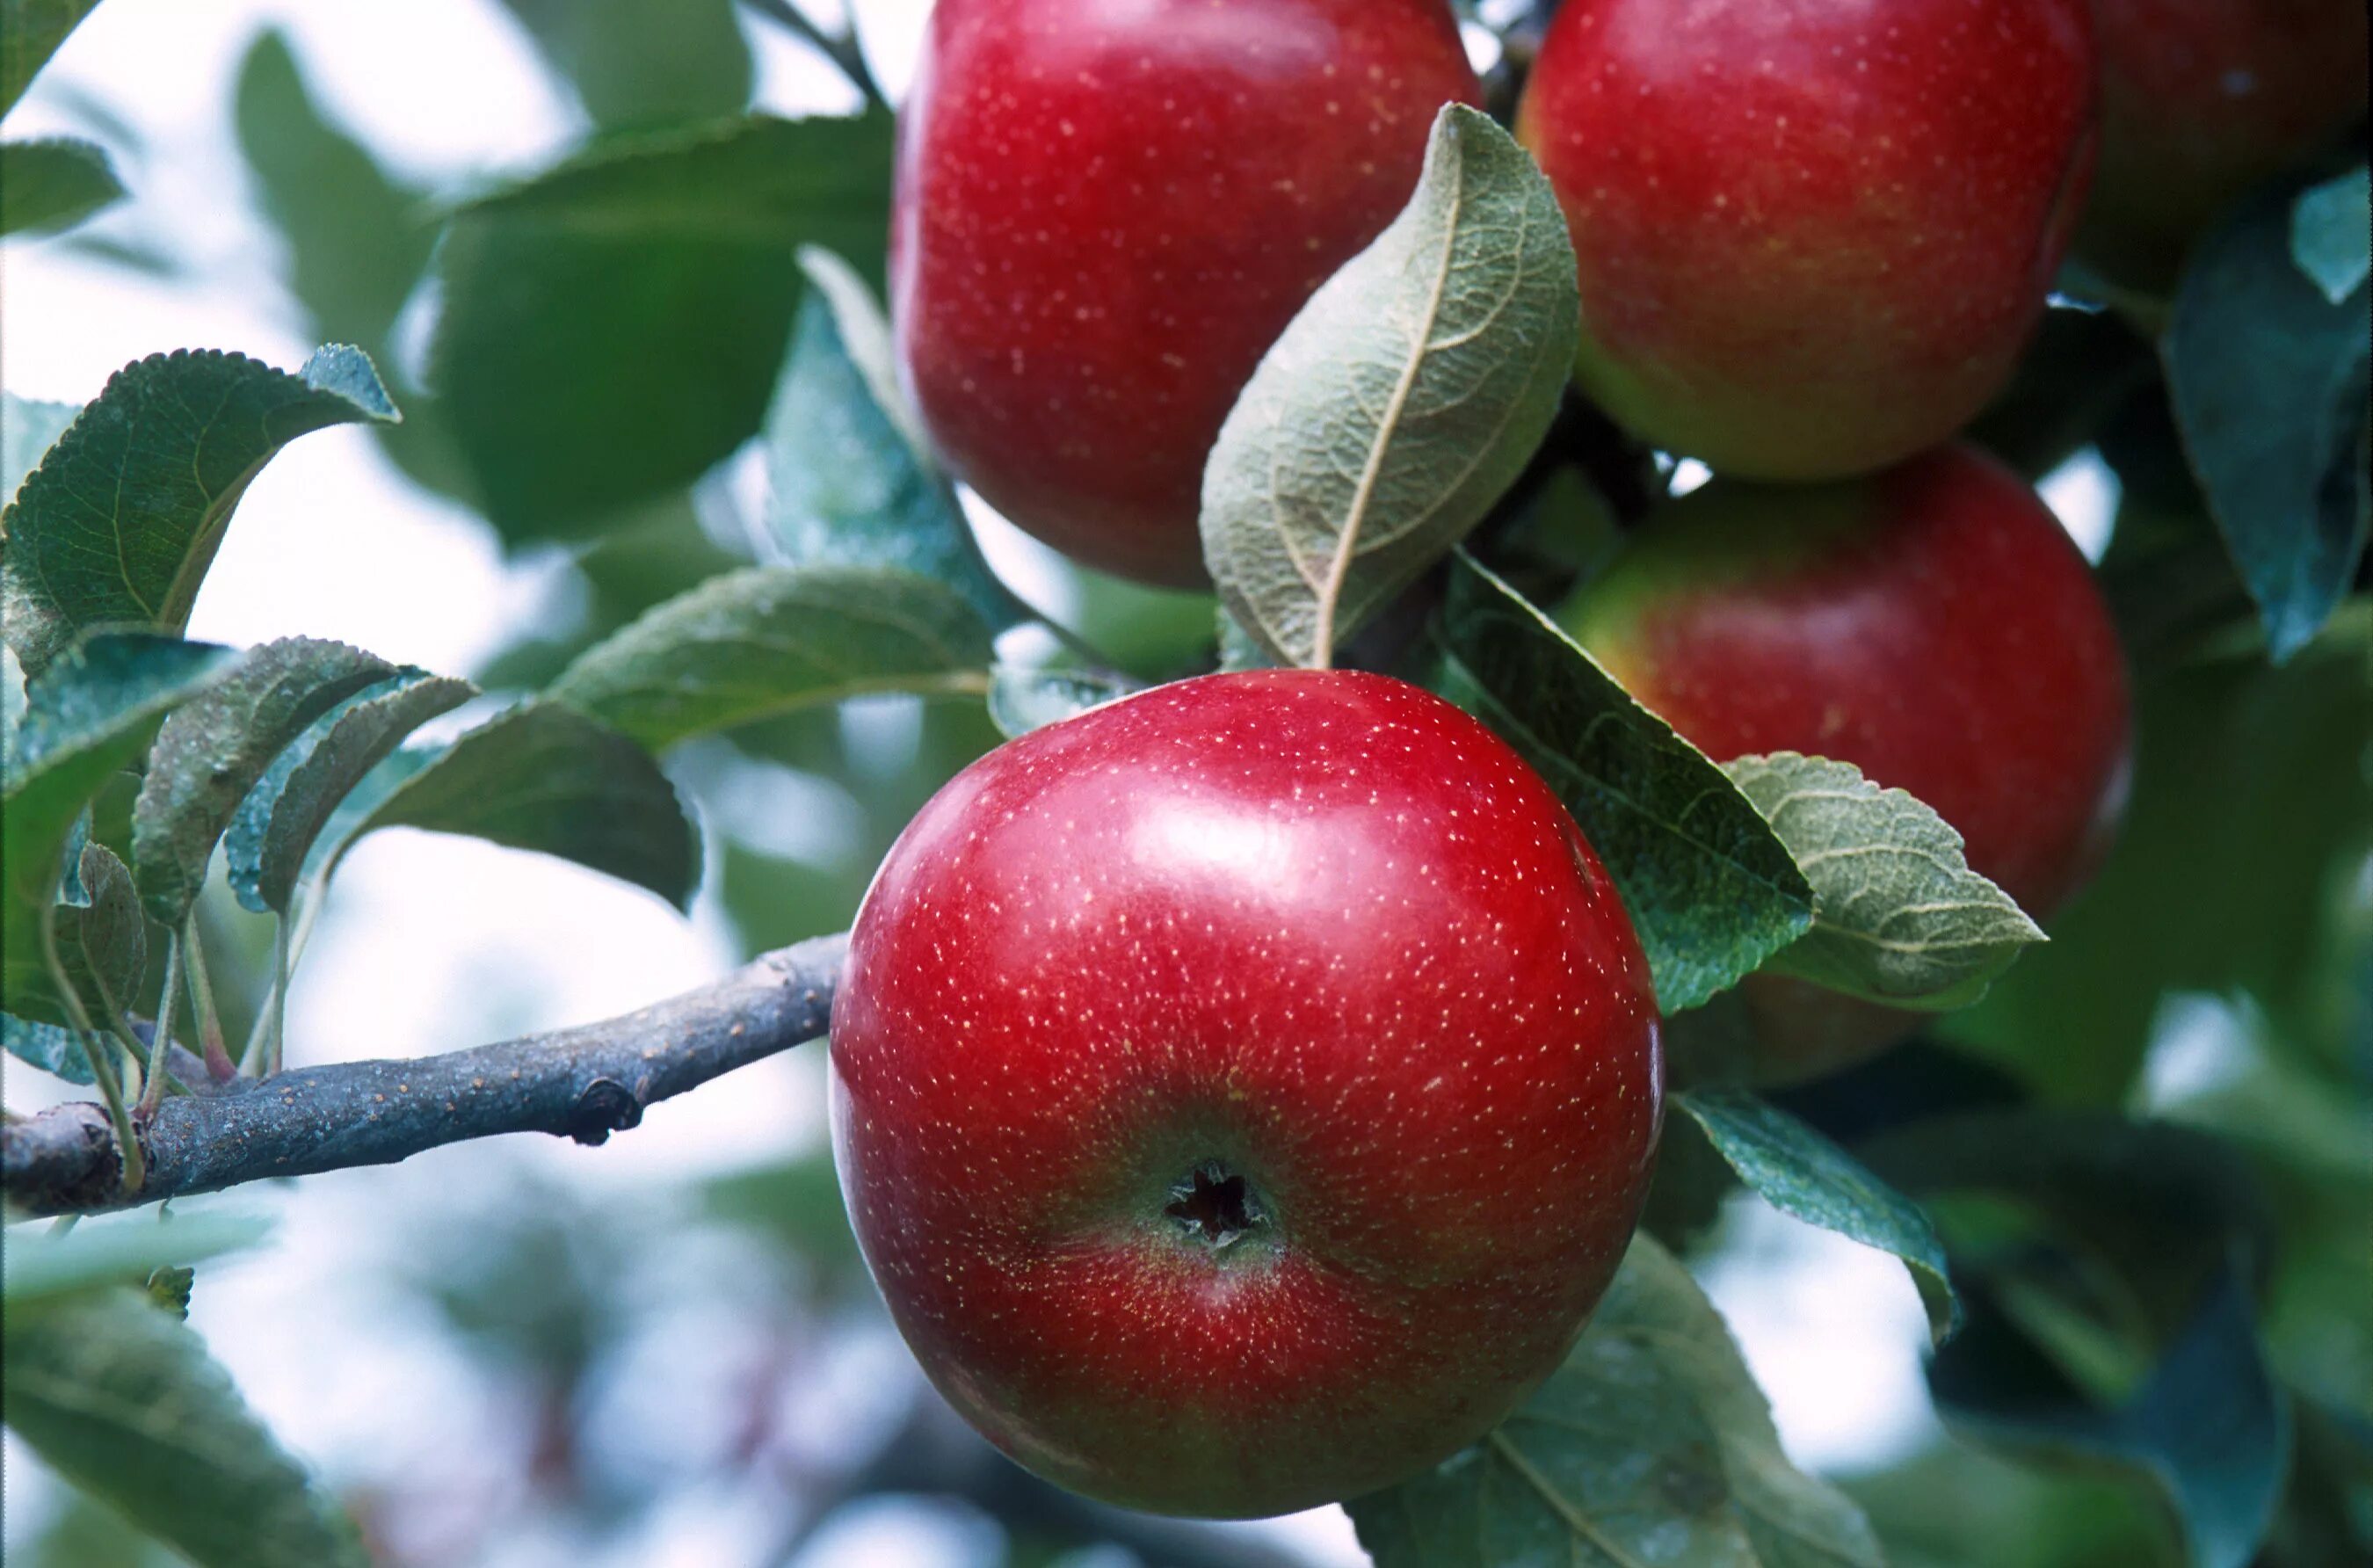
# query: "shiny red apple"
1931, 624
2200, 101
1243, 1092
1813, 235
1106, 212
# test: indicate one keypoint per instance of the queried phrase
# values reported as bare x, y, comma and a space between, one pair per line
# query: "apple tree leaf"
276, 824
614, 326
357, 241
1398, 404
45, 1046
54, 184
88, 716
768, 640
1651, 1445
2269, 377
30, 31
547, 778
1898, 916
120, 520
1023, 701
212, 752
638, 63
2332, 233
122, 1400
1711, 890
2207, 1433
28, 430
102, 944
123, 1250
849, 478
1802, 1173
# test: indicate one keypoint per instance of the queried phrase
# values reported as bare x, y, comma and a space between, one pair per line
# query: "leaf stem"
841, 48
279, 1036
202, 1002
160, 1050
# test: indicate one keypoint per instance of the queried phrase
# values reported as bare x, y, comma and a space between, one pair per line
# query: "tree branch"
584, 1083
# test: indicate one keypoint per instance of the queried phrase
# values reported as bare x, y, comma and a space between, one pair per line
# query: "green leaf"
545, 778
123, 1401
211, 753
30, 31
643, 63
1898, 916
2332, 233
613, 327
769, 640
2269, 378
102, 946
358, 240
88, 715
1023, 701
276, 824
1799, 1172
120, 520
348, 822
2248, 781
115, 1250
849, 479
45, 1046
1239, 649
27, 430
2208, 1434
1401, 401
1652, 1444
1712, 892
54, 184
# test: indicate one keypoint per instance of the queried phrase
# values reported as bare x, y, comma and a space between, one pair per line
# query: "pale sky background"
332, 541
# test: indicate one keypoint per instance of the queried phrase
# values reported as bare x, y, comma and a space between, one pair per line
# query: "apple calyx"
1216, 1205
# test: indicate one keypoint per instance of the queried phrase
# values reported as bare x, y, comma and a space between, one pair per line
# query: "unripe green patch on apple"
1245, 1090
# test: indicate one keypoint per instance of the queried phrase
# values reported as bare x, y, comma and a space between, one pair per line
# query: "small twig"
219, 1067
840, 47
583, 1083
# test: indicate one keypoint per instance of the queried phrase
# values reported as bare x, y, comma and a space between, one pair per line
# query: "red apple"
1931, 624
2200, 101
1813, 235
1104, 215
1243, 1092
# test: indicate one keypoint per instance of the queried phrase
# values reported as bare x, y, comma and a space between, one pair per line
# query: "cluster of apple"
1244, 1091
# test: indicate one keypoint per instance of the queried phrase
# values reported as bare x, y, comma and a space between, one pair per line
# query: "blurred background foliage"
497, 1363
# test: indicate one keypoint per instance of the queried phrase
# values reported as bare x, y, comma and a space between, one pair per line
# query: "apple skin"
1934, 625
1813, 236
2200, 100
1320, 932
1106, 213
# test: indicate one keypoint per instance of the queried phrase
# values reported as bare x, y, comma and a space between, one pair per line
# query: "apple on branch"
1931, 624
1242, 1091
1103, 216
1812, 235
